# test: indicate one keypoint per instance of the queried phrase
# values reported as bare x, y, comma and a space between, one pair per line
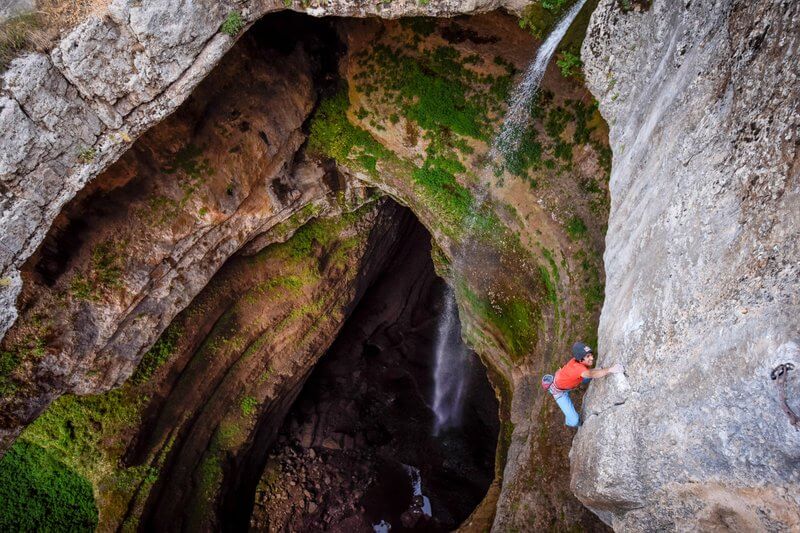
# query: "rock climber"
573, 374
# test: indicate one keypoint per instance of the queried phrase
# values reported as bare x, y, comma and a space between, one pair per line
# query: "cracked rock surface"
702, 269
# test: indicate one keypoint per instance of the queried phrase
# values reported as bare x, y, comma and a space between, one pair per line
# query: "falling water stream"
450, 370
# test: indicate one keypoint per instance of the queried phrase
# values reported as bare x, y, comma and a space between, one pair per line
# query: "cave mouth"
359, 449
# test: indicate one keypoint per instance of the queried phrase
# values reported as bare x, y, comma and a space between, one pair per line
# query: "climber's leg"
572, 418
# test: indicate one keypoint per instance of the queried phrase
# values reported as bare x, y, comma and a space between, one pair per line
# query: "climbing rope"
778, 375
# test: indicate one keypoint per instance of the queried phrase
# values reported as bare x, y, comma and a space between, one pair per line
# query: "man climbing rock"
576, 372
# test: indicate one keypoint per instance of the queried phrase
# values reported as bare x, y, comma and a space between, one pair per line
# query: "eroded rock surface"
134, 249
702, 268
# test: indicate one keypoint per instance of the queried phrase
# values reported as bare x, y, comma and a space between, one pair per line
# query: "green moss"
333, 135
9, 361
248, 405
39, 493
513, 317
451, 201
233, 24
73, 429
159, 354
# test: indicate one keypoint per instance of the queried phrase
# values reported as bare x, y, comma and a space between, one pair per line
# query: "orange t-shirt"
569, 375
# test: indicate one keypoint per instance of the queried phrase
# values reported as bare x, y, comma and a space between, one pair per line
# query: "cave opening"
361, 433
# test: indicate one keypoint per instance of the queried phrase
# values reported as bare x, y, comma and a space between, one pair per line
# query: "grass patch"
156, 356
17, 35
233, 24
576, 228
332, 134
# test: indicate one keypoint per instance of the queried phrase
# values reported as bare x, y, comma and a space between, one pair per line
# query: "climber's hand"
616, 368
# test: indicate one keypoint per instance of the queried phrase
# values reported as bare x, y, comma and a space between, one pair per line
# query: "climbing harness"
778, 375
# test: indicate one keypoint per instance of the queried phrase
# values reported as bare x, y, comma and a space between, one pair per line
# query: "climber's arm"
602, 372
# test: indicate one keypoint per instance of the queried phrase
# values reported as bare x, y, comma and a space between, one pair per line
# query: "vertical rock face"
702, 268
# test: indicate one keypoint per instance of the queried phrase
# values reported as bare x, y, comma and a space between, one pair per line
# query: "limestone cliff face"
702, 268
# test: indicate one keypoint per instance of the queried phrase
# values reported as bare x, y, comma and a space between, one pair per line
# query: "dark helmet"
579, 351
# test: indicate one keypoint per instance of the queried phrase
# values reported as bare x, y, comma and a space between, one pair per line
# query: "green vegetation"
8, 363
513, 317
191, 172
104, 274
570, 64
86, 155
435, 89
332, 134
159, 354
248, 405
74, 428
39, 493
576, 227
17, 34
233, 24
30, 345
540, 16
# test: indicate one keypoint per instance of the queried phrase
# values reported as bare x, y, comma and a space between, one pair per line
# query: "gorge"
239, 239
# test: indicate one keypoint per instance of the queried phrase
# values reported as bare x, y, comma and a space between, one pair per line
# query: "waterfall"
516, 118
451, 368
451, 357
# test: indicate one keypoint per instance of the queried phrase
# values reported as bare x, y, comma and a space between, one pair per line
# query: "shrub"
233, 24
576, 227
569, 64
86, 155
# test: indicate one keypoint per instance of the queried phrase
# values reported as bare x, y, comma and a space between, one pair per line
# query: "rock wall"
702, 268
67, 115
136, 247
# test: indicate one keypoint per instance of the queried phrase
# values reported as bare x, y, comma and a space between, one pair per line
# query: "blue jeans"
572, 418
